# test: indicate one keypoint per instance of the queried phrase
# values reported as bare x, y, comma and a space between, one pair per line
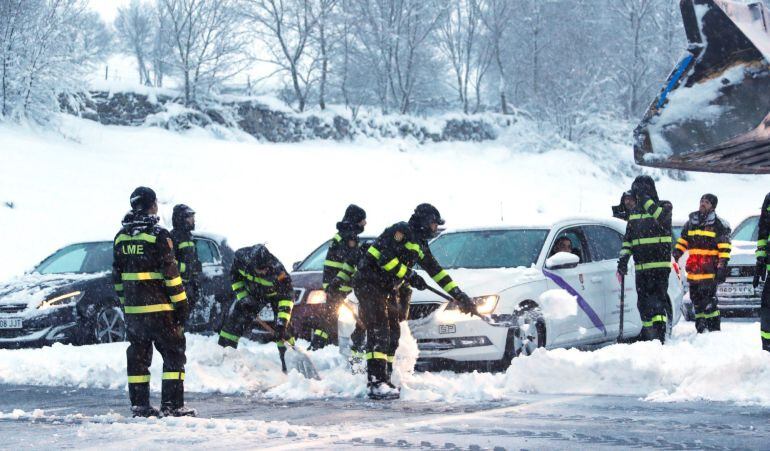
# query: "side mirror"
562, 260
295, 265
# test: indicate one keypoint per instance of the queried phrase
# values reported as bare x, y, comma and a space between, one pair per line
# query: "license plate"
266, 314
447, 329
10, 323
735, 290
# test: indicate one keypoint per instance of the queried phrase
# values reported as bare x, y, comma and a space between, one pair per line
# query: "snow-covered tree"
136, 29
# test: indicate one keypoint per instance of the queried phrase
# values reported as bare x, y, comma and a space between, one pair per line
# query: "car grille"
418, 311
12, 308
298, 292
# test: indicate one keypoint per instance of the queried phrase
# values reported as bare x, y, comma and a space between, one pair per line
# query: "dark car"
69, 296
309, 296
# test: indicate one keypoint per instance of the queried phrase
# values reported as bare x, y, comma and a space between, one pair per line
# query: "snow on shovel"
298, 359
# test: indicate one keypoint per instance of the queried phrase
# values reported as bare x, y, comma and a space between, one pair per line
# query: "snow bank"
558, 304
727, 366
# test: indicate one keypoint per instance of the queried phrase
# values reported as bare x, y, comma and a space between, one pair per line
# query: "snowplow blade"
712, 113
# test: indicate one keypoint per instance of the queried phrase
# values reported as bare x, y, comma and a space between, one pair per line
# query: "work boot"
383, 391
183, 411
700, 325
714, 324
144, 411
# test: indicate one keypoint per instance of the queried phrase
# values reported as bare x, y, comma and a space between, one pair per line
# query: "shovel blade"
301, 362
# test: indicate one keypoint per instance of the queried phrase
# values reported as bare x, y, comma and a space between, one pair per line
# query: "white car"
529, 298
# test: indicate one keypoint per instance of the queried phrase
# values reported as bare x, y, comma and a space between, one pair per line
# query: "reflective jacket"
388, 262
707, 241
648, 236
186, 254
764, 230
340, 263
274, 286
144, 269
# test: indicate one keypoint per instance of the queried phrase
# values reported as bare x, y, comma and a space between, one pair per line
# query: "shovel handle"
440, 293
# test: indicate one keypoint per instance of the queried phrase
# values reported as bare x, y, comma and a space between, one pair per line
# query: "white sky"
108, 8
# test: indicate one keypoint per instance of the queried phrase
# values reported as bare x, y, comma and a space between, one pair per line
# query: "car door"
212, 279
585, 282
605, 245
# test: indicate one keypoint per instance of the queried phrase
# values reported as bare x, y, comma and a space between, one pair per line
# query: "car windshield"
748, 230
78, 258
315, 261
676, 231
489, 248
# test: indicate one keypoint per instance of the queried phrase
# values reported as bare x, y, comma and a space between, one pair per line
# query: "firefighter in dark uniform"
627, 203
258, 279
706, 238
383, 283
154, 301
339, 266
648, 239
183, 220
761, 272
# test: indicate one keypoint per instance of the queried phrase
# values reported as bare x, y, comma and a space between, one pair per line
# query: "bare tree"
459, 36
208, 43
135, 27
323, 35
497, 16
285, 26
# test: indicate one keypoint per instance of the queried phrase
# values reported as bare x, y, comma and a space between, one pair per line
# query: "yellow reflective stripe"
702, 233
118, 287
282, 344
441, 274
682, 241
448, 287
639, 216
655, 319
348, 268
241, 294
135, 309
765, 335
344, 276
761, 254
337, 237
706, 252
724, 246
285, 303
333, 264
176, 281
415, 248
237, 285
707, 315
182, 267
374, 252
185, 244
626, 244
724, 255
141, 276
256, 279
681, 248
324, 285
761, 243
143, 379
178, 297
648, 204
653, 265
657, 213
345, 289
401, 271
625, 252
653, 240
284, 315
122, 299
391, 264
391, 358
140, 237
376, 355
321, 333
173, 376
229, 336
700, 276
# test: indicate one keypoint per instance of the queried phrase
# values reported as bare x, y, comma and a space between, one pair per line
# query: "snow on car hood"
482, 282
742, 253
32, 288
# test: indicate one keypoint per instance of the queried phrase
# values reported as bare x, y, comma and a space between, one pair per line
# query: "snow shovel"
301, 361
622, 305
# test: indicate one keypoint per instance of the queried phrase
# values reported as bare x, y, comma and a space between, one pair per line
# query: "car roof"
575, 220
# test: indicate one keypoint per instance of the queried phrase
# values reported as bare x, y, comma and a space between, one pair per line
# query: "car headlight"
61, 301
486, 304
316, 297
346, 315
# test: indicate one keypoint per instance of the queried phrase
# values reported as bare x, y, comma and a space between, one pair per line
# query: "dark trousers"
652, 296
239, 319
159, 330
325, 323
380, 313
704, 301
764, 317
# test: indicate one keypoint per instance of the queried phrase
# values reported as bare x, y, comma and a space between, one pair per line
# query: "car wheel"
110, 325
530, 333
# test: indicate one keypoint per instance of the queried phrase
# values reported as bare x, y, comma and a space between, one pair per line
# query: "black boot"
144, 411
139, 394
172, 400
714, 324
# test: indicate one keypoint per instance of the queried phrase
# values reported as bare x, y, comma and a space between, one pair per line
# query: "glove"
760, 272
417, 282
622, 267
465, 303
721, 274
334, 285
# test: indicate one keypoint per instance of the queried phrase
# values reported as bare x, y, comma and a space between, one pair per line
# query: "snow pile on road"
726, 366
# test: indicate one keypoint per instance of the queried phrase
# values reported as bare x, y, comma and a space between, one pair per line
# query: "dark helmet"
259, 257
711, 198
354, 214
644, 185
425, 215
142, 199
625, 195
179, 216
